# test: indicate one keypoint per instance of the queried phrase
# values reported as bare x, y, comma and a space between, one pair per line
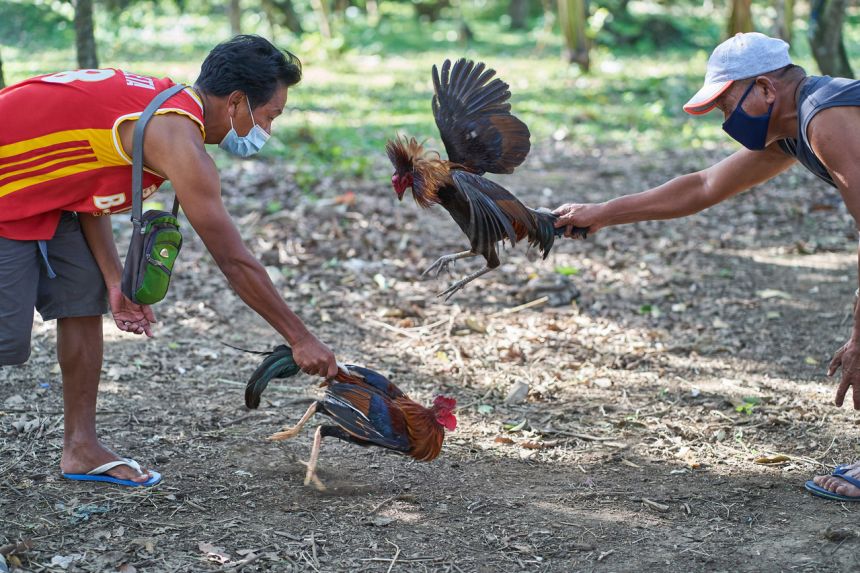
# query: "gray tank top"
818, 93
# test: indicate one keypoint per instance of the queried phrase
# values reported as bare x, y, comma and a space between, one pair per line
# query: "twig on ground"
396, 555
537, 302
382, 503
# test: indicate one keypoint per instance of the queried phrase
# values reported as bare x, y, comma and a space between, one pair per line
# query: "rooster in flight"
365, 408
480, 135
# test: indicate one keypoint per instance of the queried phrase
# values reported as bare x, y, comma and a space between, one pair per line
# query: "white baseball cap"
741, 56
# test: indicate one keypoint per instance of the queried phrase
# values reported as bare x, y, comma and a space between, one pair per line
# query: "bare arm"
127, 315
838, 148
683, 195
174, 147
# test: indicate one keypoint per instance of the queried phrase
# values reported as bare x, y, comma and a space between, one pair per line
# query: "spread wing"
474, 118
366, 415
495, 214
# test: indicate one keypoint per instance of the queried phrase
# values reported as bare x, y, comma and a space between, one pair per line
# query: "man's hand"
583, 215
847, 357
128, 316
314, 357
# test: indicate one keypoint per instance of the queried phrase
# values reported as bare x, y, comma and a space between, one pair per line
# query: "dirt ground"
693, 353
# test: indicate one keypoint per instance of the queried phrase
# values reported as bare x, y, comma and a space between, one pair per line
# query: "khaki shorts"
78, 288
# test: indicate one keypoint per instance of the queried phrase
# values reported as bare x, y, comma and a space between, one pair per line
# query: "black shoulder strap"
137, 154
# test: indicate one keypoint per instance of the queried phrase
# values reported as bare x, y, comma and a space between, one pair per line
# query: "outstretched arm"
683, 195
174, 147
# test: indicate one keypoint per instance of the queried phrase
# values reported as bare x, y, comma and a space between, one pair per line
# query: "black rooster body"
480, 135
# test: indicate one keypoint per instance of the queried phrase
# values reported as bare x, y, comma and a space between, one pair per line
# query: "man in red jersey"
65, 151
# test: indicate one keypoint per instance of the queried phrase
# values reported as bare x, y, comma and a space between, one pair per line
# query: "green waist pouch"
151, 255
156, 240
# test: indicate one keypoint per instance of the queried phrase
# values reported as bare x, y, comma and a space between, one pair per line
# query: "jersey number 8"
81, 75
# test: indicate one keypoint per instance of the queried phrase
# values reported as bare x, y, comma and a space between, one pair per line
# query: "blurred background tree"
825, 36
85, 39
592, 72
740, 17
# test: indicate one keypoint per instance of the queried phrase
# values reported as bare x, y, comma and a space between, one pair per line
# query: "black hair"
250, 64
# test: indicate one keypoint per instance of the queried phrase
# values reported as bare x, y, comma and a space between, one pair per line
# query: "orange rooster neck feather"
425, 433
429, 171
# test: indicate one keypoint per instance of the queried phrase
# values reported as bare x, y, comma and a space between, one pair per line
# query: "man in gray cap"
780, 115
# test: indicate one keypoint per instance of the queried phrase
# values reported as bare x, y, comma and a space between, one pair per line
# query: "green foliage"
35, 26
372, 81
748, 405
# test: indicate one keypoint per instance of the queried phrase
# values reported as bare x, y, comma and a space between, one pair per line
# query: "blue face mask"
749, 131
244, 146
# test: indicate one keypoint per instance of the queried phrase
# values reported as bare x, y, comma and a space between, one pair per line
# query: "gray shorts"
77, 290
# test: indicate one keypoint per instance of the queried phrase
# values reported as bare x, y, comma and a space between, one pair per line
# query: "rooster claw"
451, 290
441, 264
445, 261
311, 477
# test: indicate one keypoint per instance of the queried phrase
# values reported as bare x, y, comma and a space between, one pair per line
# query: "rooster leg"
312, 462
444, 261
288, 433
449, 292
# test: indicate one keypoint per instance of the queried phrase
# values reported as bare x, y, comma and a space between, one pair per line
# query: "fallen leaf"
518, 393
347, 199
811, 361
214, 553
773, 293
127, 568
516, 427
503, 440
654, 505
777, 459
476, 326
531, 445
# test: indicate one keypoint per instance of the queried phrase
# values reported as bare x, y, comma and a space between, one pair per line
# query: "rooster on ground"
367, 409
480, 135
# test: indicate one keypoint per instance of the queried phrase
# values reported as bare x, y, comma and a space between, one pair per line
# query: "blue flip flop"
98, 474
839, 472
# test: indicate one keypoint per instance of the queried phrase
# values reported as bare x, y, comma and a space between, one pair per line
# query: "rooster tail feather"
278, 364
543, 236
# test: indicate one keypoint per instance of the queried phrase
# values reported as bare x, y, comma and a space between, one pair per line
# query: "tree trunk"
234, 13
518, 10
321, 10
85, 40
740, 18
572, 18
283, 12
372, 8
2, 79
825, 37
784, 19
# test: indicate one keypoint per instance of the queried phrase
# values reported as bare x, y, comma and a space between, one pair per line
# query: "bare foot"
838, 485
82, 457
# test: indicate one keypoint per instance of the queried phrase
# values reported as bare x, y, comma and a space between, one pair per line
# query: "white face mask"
248, 145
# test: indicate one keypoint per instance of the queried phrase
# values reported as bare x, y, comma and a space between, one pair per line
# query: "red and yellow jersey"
60, 148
